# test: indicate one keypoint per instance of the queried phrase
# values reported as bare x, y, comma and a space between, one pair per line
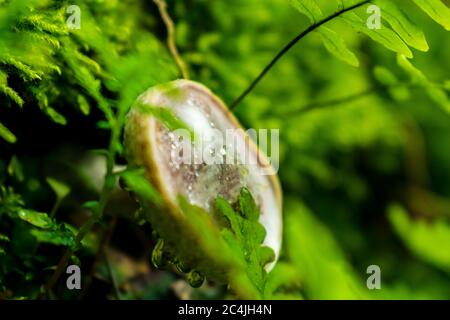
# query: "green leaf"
284, 280
56, 237
247, 205
447, 85
55, 116
437, 10
401, 24
435, 93
7, 135
27, 73
388, 79
61, 190
15, 169
83, 104
316, 255
336, 46
4, 237
225, 209
8, 91
332, 42
421, 237
93, 205
384, 36
245, 237
10, 202
136, 181
168, 118
308, 8
37, 219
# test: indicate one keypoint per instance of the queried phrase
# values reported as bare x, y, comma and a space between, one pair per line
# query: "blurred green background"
366, 180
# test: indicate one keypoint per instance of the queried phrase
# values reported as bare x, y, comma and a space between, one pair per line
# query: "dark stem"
355, 96
289, 46
334, 102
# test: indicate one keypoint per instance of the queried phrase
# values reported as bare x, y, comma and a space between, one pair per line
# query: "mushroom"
214, 167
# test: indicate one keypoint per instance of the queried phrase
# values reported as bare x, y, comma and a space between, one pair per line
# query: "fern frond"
12, 94
44, 38
8, 91
25, 71
7, 135
402, 25
83, 104
385, 36
332, 42
90, 63
437, 11
40, 22
398, 36
435, 93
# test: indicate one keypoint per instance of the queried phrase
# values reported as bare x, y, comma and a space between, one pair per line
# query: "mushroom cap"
220, 161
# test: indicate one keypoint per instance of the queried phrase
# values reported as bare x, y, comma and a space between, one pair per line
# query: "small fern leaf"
83, 104
12, 94
388, 79
44, 37
336, 46
27, 72
437, 11
55, 116
384, 35
309, 8
332, 42
404, 27
420, 236
436, 93
90, 63
8, 91
7, 135
41, 23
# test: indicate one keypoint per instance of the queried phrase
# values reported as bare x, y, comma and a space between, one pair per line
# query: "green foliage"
332, 42
437, 10
245, 236
421, 236
342, 165
401, 34
61, 190
318, 258
402, 25
435, 92
166, 116
236, 233
137, 182
68, 59
6, 134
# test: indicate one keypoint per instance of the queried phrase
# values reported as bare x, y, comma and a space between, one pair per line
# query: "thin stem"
289, 46
352, 97
162, 6
55, 207
330, 103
